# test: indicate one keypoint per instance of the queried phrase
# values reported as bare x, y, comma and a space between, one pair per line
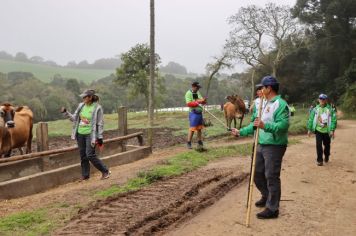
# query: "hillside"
45, 73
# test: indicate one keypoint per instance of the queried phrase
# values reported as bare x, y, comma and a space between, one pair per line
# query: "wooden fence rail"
137, 135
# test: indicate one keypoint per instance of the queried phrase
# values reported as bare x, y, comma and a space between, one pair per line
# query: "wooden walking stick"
252, 173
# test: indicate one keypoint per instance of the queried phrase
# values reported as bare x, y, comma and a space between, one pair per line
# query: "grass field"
45, 73
175, 120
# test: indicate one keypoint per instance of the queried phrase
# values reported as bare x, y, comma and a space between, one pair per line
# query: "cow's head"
7, 114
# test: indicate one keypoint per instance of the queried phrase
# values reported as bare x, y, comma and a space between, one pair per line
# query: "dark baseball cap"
269, 81
196, 84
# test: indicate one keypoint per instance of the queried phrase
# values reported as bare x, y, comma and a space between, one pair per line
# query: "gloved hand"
99, 141
63, 110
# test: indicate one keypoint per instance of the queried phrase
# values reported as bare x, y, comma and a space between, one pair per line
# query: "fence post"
42, 136
122, 112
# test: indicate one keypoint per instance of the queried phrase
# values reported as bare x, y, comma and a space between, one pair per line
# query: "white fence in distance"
181, 109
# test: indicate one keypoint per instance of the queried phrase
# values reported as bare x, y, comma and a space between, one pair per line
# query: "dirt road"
211, 201
315, 200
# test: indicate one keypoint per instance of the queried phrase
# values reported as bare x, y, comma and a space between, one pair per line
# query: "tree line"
103, 63
311, 48
45, 99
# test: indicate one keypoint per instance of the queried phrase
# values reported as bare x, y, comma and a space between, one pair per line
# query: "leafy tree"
18, 77
134, 70
175, 68
38, 109
6, 56
52, 103
333, 43
83, 64
50, 63
20, 56
73, 86
37, 59
71, 64
106, 63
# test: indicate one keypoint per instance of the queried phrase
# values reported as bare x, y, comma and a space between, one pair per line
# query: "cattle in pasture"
18, 122
234, 108
5, 141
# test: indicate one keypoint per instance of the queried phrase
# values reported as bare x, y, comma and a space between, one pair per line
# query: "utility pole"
152, 74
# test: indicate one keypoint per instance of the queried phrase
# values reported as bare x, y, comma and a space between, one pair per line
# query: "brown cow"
19, 122
5, 141
233, 109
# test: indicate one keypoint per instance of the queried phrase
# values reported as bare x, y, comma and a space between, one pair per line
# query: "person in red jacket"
194, 100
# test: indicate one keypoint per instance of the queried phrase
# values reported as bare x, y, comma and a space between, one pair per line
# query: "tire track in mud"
154, 209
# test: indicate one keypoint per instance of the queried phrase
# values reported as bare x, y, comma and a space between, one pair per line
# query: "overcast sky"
189, 32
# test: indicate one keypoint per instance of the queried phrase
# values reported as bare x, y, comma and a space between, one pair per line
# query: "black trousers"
267, 173
322, 139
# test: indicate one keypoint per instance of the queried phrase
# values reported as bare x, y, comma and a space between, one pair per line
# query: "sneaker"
261, 202
106, 175
200, 145
267, 214
320, 163
84, 178
189, 145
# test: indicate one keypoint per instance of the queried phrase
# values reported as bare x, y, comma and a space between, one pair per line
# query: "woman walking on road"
88, 127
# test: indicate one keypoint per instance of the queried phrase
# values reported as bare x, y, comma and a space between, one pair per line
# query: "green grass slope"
45, 73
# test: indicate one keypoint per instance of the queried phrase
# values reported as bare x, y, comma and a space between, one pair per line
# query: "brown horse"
234, 108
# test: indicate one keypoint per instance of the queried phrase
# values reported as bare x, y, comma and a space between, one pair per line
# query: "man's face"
322, 102
266, 90
195, 88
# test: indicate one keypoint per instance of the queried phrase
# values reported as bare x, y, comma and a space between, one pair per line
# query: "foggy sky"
189, 32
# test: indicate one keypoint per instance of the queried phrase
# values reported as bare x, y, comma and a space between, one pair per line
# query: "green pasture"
46, 73
175, 120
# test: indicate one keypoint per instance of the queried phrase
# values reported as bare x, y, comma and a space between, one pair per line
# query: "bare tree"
260, 36
214, 67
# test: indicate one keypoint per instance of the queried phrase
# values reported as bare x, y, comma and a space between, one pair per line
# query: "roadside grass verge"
42, 221
26, 223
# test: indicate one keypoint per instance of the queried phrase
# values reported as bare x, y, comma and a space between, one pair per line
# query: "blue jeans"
87, 153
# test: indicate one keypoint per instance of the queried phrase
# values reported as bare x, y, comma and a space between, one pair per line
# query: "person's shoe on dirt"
189, 145
200, 144
267, 214
84, 178
106, 175
326, 159
320, 163
261, 202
